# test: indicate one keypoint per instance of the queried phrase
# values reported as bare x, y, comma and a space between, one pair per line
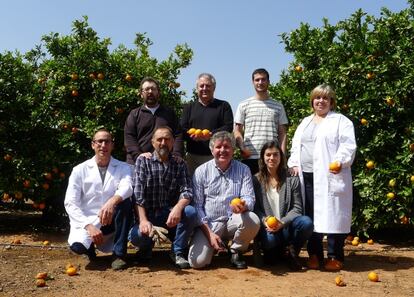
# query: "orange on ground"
339, 281
41, 275
40, 283
69, 265
355, 242
370, 241
46, 242
372, 276
71, 271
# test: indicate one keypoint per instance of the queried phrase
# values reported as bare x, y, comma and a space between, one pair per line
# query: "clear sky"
230, 38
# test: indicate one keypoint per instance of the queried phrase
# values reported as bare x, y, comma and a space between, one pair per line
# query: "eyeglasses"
102, 141
147, 90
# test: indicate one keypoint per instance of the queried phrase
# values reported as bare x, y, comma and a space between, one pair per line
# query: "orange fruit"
100, 76
372, 276
298, 68
6, 197
26, 184
41, 275
364, 121
390, 195
236, 201
18, 195
8, 157
370, 75
370, 164
74, 93
370, 241
16, 241
71, 271
335, 166
392, 182
205, 132
272, 222
46, 242
128, 77
355, 242
389, 101
74, 76
40, 283
191, 131
411, 146
62, 175
198, 132
404, 220
412, 178
41, 205
339, 281
48, 176
69, 265
45, 186
92, 75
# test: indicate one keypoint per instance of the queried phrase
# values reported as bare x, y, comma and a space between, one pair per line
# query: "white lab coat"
86, 195
335, 141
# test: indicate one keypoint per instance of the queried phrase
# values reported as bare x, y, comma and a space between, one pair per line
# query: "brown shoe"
313, 262
333, 265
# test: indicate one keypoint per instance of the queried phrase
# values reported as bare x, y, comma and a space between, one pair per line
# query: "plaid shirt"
159, 185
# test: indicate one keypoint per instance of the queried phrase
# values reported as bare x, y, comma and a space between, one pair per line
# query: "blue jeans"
120, 225
296, 233
178, 235
335, 246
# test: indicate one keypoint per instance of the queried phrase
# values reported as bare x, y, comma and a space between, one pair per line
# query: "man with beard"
259, 119
98, 203
162, 190
142, 122
216, 185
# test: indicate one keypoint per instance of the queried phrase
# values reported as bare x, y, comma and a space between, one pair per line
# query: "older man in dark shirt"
142, 122
162, 189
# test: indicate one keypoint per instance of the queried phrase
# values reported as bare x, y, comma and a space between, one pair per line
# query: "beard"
163, 152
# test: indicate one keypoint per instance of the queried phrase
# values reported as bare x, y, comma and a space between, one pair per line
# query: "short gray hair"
222, 135
208, 76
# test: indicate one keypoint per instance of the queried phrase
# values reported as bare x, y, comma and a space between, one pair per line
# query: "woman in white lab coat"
323, 138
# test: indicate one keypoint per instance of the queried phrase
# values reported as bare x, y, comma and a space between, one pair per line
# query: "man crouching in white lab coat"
98, 203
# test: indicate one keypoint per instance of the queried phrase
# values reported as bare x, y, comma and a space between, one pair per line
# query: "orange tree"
370, 63
67, 88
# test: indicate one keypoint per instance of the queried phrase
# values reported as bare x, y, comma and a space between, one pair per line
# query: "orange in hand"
237, 202
335, 166
198, 132
205, 132
191, 131
272, 222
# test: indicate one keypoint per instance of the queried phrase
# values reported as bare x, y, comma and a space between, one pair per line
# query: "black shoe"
237, 260
179, 260
293, 259
144, 256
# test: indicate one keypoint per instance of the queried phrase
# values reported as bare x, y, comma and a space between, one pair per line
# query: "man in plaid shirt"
162, 190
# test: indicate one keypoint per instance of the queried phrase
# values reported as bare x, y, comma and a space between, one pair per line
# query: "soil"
19, 263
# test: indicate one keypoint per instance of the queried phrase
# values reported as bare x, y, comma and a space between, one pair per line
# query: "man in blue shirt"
215, 184
162, 189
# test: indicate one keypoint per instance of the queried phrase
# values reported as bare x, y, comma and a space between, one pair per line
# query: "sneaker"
333, 264
237, 260
180, 261
313, 262
118, 264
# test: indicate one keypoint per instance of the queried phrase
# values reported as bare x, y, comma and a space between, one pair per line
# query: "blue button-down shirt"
214, 189
159, 185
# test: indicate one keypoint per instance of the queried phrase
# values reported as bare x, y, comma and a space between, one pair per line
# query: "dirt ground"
19, 264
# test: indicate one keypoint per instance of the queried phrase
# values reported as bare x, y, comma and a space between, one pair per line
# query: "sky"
229, 38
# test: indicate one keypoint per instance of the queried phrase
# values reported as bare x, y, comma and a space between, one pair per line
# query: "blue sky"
230, 38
